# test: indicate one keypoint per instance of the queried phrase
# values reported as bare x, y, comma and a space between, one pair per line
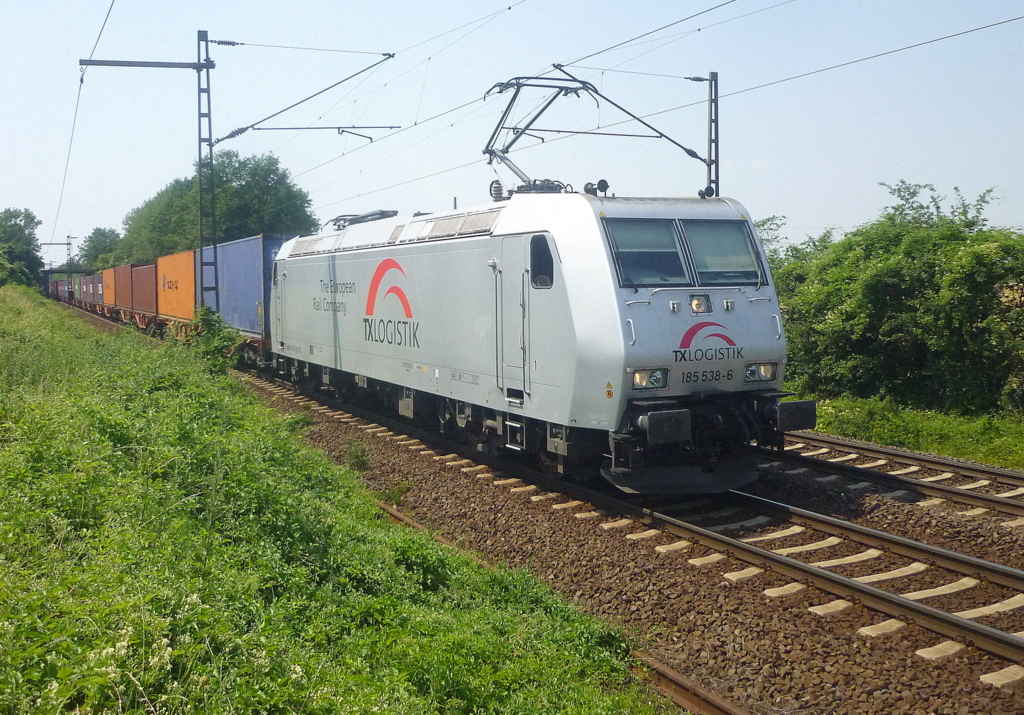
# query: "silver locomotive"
638, 336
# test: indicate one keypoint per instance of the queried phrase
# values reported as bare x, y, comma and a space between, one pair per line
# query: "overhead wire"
651, 32
846, 64
666, 41
232, 43
729, 94
74, 121
488, 17
480, 22
652, 114
241, 130
484, 20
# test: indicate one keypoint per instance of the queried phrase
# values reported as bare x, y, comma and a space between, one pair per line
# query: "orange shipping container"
108, 286
176, 286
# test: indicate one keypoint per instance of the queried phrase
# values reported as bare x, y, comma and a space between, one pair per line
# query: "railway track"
988, 490
903, 607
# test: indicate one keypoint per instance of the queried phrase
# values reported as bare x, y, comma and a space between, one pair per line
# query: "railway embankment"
169, 545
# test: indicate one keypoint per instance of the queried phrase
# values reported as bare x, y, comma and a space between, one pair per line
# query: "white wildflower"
296, 672
161, 658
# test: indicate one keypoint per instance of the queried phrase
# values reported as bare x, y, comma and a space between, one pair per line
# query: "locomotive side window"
647, 252
722, 252
542, 266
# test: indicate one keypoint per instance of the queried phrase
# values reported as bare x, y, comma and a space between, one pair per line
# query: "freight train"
636, 337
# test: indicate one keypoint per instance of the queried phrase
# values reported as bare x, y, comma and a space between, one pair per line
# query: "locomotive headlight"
700, 303
650, 379
760, 371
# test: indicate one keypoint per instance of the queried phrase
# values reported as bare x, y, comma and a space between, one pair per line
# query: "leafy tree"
769, 230
20, 260
101, 241
165, 224
253, 195
923, 305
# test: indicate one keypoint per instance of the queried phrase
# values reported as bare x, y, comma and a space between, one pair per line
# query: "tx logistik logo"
688, 353
386, 330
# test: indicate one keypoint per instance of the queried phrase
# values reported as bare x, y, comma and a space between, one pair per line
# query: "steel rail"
933, 489
1001, 474
999, 643
935, 555
686, 692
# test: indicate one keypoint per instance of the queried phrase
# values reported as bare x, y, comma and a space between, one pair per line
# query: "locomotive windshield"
669, 253
647, 252
722, 252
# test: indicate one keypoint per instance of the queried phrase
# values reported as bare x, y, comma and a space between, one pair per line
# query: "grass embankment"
992, 439
169, 545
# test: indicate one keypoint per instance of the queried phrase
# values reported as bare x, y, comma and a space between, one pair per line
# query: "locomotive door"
514, 298
277, 299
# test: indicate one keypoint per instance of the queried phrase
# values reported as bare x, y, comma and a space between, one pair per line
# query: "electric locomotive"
641, 337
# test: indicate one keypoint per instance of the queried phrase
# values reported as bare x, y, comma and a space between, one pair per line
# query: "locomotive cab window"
542, 265
723, 253
647, 253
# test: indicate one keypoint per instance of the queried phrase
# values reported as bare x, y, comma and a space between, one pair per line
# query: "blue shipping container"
244, 269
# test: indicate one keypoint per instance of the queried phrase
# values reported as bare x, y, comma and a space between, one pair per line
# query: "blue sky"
812, 149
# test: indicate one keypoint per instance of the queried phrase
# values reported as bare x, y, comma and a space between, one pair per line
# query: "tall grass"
993, 439
168, 545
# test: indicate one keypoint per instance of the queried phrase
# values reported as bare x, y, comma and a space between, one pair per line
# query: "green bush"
924, 306
214, 339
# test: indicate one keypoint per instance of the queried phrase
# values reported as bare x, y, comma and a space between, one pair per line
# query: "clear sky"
812, 149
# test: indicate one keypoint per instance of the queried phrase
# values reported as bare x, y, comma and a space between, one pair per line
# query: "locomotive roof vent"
543, 186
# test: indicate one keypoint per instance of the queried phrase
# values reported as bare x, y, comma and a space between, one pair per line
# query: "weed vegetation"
996, 439
168, 545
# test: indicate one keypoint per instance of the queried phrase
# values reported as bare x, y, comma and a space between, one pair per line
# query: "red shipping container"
123, 287
144, 289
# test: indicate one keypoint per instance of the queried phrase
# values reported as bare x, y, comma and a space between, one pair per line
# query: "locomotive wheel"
475, 435
444, 414
549, 464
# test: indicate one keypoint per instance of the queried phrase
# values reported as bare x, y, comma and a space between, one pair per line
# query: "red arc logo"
690, 334
371, 300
